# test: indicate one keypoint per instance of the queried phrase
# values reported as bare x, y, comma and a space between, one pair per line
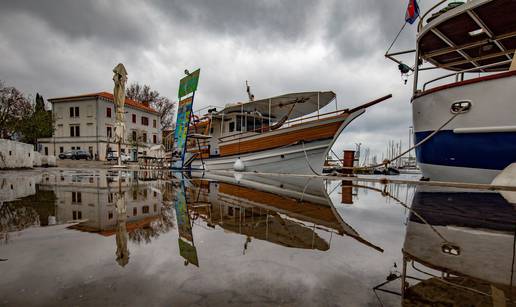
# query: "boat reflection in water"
284, 211
461, 247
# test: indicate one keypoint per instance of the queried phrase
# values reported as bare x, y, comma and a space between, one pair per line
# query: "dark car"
66, 155
81, 154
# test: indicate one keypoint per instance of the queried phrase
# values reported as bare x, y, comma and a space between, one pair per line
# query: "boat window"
253, 123
239, 123
231, 126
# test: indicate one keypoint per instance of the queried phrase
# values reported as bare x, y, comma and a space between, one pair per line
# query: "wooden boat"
269, 135
469, 47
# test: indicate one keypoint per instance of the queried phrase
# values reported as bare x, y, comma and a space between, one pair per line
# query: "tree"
38, 123
13, 107
163, 105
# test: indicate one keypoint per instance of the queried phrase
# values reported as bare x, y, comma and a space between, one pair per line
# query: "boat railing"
458, 73
420, 24
289, 123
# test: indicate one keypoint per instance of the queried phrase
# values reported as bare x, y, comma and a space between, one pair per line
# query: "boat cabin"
241, 121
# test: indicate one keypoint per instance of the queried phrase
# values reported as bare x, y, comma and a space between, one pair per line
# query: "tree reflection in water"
163, 223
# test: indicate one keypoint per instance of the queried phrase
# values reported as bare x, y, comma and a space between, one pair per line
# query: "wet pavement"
100, 237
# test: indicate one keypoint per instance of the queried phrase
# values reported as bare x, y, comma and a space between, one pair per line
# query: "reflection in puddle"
451, 247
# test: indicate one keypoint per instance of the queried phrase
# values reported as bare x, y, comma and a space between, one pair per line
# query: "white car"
113, 156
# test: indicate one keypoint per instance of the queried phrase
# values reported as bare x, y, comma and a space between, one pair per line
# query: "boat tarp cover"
305, 103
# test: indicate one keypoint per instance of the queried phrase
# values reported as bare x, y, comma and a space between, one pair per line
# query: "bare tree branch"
163, 105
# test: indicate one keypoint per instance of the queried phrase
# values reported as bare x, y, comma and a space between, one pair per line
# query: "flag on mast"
412, 12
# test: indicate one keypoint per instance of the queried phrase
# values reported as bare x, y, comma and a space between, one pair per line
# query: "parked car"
66, 155
113, 156
81, 154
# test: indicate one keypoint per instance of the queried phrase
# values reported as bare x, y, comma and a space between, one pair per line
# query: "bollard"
348, 161
347, 192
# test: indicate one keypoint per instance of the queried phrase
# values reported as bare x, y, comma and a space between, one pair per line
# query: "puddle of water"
102, 237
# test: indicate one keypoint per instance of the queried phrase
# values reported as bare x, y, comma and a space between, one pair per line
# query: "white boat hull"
296, 159
476, 145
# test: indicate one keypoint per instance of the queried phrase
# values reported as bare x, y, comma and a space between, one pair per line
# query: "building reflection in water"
459, 250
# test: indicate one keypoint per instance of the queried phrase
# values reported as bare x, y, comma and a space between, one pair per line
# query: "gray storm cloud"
61, 48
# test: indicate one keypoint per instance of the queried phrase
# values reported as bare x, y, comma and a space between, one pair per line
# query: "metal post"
269, 114
318, 96
416, 70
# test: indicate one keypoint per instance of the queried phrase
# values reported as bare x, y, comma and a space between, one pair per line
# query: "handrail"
420, 24
288, 122
465, 70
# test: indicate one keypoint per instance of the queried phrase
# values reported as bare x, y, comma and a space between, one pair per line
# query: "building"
88, 121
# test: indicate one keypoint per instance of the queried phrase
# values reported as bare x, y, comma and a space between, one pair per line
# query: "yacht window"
239, 123
253, 123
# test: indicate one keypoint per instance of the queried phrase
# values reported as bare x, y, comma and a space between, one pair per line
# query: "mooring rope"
308, 161
388, 161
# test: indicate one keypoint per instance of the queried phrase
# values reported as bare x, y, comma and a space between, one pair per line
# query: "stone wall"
15, 154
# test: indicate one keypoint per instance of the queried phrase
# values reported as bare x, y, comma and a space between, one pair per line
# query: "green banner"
189, 83
188, 252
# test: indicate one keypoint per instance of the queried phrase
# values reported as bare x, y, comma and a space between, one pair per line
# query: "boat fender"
238, 177
239, 166
507, 178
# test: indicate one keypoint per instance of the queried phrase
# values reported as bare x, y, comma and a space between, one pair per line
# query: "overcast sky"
61, 48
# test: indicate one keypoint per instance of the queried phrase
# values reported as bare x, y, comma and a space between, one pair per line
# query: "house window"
74, 111
154, 123
110, 198
46, 151
134, 135
134, 118
145, 121
135, 195
77, 215
75, 130
144, 138
154, 138
61, 149
145, 209
76, 197
135, 211
108, 112
231, 126
110, 215
109, 132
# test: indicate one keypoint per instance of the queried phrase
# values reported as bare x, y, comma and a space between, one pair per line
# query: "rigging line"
396, 38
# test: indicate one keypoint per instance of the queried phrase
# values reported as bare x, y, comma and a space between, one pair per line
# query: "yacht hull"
477, 144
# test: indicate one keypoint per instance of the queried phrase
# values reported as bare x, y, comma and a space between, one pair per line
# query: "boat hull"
476, 145
304, 158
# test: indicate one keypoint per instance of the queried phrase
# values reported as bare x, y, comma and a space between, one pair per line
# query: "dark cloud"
110, 22
248, 20
69, 47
